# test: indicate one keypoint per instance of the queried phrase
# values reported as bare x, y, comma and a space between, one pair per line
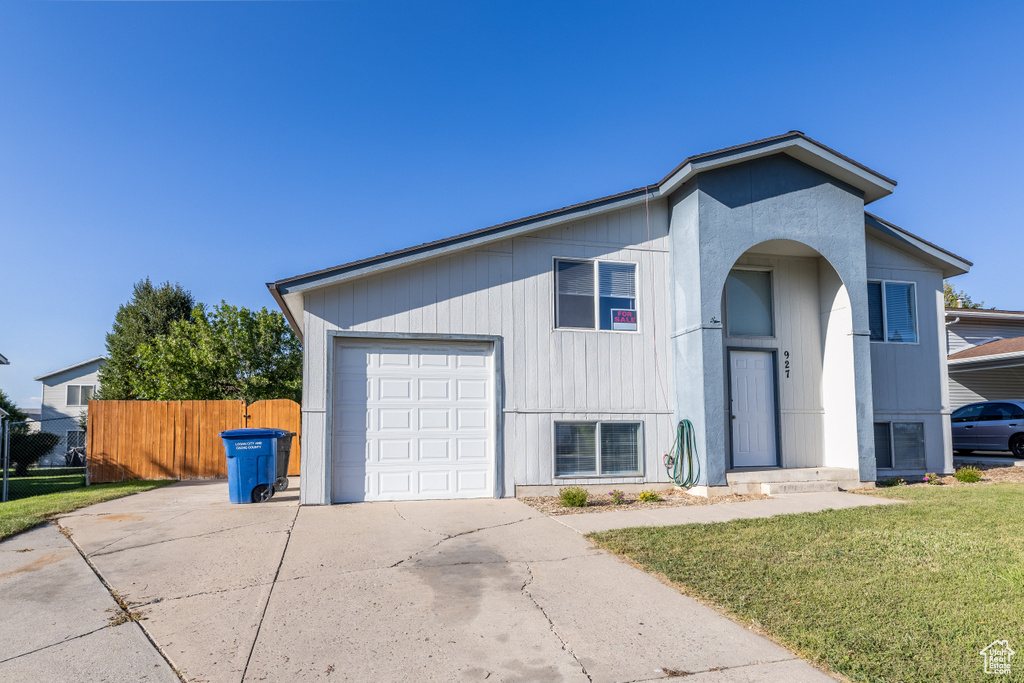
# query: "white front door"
413, 420
752, 397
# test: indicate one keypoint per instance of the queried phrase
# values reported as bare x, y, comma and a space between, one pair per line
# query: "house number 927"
786, 366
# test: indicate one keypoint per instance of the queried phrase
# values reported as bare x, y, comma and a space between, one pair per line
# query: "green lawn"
37, 484
895, 593
18, 515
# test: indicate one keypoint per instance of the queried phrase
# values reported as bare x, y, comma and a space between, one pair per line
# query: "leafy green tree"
955, 299
13, 413
150, 313
26, 448
226, 353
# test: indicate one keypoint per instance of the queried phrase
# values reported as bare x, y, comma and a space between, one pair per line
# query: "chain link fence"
42, 456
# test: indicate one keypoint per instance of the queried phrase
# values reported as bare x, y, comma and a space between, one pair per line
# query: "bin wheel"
262, 493
281, 483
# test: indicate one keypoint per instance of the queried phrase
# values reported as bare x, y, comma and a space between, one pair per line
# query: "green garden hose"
681, 461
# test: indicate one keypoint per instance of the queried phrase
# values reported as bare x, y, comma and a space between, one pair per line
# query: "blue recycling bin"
252, 463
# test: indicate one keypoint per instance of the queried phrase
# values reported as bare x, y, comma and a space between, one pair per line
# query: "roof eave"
797, 145
289, 314
70, 367
949, 263
993, 362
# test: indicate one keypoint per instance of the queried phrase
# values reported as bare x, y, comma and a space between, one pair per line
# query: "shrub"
573, 496
895, 481
932, 478
968, 475
618, 497
648, 497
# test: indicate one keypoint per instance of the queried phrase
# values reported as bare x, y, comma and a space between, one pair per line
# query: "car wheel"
1017, 445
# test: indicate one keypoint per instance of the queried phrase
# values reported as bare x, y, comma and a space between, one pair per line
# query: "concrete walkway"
780, 504
447, 591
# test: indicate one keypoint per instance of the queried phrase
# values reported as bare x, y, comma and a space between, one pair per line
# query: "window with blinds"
616, 290
892, 311
899, 445
595, 295
597, 449
575, 285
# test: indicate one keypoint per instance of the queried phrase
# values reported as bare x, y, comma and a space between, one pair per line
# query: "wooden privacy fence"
176, 439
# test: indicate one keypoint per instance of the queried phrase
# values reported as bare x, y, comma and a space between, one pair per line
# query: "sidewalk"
781, 504
57, 618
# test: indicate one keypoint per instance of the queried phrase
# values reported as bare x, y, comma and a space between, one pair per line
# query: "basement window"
899, 445
589, 449
595, 295
892, 311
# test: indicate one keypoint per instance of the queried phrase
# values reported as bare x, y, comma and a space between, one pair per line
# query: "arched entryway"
789, 363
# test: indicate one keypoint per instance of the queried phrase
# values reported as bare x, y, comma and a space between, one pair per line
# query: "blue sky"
223, 145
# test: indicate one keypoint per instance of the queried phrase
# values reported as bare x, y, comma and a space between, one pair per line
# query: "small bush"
968, 475
573, 496
618, 497
648, 497
932, 478
895, 481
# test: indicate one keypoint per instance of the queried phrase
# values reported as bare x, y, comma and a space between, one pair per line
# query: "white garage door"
413, 420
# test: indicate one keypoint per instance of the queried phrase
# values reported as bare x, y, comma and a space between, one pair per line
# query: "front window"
748, 301
595, 295
597, 448
79, 394
892, 311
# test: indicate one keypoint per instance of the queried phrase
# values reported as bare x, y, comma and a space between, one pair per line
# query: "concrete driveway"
482, 590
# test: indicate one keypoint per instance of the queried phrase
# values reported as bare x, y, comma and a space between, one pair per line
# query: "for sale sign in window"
624, 319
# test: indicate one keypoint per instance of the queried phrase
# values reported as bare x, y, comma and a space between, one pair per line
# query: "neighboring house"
747, 292
65, 398
4, 361
986, 355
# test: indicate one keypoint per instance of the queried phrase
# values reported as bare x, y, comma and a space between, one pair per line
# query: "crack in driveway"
551, 624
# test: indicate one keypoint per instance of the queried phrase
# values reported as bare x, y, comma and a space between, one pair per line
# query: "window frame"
67, 391
885, 314
892, 447
597, 446
771, 291
596, 294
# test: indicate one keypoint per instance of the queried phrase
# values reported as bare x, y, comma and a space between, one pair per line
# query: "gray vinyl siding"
506, 289
965, 334
55, 391
55, 415
908, 379
970, 386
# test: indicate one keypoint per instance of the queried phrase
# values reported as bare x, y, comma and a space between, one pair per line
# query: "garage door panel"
471, 418
435, 419
394, 389
389, 419
472, 483
434, 450
435, 482
395, 450
413, 420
